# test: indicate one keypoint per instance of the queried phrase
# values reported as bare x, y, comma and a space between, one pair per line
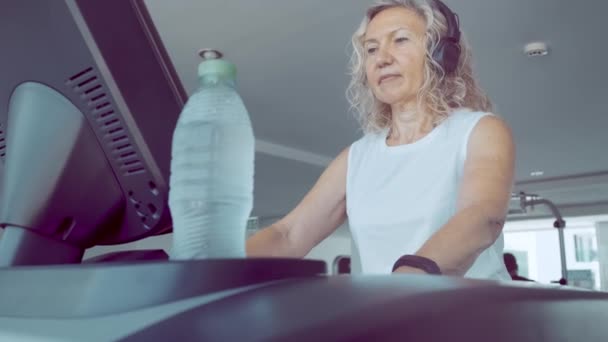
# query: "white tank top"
398, 196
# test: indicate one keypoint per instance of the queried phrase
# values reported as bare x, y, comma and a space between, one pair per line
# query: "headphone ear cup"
451, 56
447, 54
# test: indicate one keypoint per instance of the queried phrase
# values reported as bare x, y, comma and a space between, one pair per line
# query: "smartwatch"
425, 264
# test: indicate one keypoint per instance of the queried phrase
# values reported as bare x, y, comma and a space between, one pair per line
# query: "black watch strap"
425, 264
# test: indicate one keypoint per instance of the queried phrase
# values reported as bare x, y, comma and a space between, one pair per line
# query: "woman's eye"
371, 50
401, 39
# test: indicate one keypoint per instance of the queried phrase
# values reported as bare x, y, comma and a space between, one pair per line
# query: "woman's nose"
384, 57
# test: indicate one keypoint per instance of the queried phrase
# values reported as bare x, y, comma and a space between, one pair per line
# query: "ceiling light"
536, 49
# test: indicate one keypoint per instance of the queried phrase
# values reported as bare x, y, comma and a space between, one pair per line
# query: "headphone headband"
447, 52
453, 24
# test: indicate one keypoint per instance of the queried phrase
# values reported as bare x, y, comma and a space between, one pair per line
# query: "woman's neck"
408, 125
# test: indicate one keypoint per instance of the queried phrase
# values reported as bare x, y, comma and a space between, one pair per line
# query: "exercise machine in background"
528, 202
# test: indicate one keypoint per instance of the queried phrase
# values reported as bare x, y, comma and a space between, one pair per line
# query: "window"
536, 247
584, 247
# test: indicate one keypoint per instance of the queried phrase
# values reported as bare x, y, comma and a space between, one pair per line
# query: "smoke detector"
536, 49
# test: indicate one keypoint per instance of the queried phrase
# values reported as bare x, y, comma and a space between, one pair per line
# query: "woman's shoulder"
369, 138
472, 125
466, 119
468, 115
368, 142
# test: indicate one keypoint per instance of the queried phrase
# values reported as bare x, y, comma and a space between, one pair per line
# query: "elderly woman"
426, 189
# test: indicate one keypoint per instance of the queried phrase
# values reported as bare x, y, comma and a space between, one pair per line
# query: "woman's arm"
483, 200
319, 213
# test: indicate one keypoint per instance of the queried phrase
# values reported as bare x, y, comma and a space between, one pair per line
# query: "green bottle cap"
213, 64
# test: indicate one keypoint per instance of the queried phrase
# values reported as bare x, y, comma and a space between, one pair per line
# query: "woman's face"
395, 49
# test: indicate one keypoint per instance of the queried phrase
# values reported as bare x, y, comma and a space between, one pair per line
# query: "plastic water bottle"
212, 166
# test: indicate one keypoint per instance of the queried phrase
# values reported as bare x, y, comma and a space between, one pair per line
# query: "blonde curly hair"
440, 94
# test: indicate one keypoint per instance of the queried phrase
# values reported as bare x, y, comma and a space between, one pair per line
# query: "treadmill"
88, 100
